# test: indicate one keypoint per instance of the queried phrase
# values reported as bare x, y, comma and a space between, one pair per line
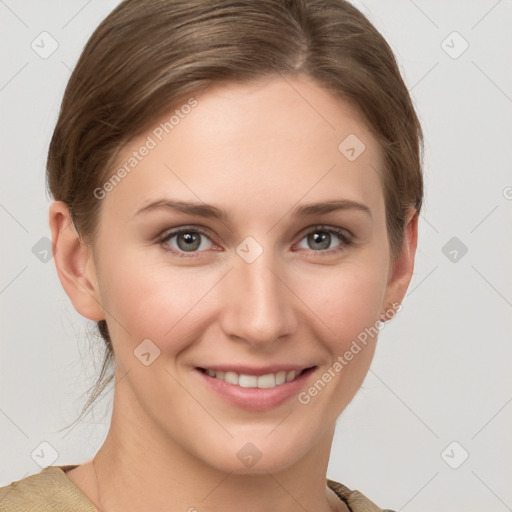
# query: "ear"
75, 264
402, 267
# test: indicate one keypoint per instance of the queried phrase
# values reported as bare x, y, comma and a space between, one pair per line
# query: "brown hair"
146, 56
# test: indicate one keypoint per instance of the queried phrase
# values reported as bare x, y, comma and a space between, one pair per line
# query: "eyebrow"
211, 211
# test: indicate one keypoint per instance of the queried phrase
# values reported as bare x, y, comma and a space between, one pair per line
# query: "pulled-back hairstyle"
146, 56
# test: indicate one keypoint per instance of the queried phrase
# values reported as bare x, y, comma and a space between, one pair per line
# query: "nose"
258, 307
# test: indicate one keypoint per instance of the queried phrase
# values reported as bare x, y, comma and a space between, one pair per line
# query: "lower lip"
256, 399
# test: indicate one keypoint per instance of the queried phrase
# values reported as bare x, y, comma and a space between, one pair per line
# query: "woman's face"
274, 258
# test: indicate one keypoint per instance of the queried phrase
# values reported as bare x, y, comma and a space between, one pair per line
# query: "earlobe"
74, 264
402, 267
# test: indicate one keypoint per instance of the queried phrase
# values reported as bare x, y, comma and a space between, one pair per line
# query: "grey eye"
322, 239
319, 240
188, 241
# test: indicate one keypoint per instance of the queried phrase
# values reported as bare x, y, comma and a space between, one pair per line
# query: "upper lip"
256, 371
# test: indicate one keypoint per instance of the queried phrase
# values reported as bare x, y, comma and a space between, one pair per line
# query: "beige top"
51, 490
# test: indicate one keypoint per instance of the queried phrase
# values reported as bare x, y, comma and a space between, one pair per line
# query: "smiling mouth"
269, 380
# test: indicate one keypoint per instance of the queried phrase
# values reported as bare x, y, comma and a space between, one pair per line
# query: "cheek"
152, 300
347, 300
349, 304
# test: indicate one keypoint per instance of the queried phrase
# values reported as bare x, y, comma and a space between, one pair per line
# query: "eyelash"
342, 234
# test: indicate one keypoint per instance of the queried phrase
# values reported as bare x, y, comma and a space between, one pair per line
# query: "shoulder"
356, 501
50, 490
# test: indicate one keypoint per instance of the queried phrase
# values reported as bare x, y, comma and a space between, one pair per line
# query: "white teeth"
267, 381
280, 377
230, 377
290, 375
248, 381
270, 380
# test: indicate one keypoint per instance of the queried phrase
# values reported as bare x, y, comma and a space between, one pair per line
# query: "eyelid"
183, 229
325, 227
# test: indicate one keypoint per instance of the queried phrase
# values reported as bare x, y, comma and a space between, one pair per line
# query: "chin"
273, 463
259, 454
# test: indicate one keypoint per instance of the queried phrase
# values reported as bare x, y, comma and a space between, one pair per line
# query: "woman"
237, 188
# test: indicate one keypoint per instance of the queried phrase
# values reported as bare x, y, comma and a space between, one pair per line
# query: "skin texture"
257, 151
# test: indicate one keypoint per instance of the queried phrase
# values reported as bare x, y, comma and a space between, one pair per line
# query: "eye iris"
188, 241
321, 238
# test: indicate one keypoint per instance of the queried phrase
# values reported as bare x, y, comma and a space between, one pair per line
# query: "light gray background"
442, 371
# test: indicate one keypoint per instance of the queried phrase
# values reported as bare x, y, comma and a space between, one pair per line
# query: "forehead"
270, 141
